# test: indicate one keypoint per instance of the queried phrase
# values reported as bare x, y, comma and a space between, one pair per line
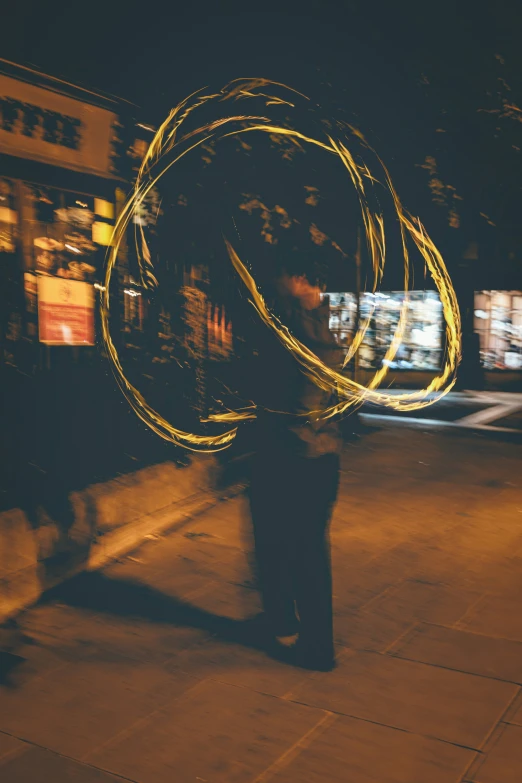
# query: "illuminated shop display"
61, 230
65, 155
59, 243
498, 322
422, 344
8, 217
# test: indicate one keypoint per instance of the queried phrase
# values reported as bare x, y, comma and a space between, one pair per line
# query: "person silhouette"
295, 472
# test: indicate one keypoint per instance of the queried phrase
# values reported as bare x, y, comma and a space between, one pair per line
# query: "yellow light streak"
351, 393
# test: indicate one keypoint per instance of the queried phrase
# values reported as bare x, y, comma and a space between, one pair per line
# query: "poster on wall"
65, 311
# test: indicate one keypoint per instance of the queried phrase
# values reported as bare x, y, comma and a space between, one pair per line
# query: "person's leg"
268, 496
311, 560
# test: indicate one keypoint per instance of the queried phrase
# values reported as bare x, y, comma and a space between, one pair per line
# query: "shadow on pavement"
127, 599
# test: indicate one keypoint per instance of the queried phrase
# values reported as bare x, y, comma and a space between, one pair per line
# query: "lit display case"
498, 322
422, 345
8, 217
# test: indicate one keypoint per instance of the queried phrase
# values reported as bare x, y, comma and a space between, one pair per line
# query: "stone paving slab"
201, 549
49, 618
514, 715
175, 576
401, 453
227, 600
34, 661
448, 705
506, 577
237, 665
414, 600
134, 667
463, 651
74, 709
491, 540
495, 615
175, 554
209, 560
503, 762
129, 637
356, 587
10, 746
226, 523
349, 549
498, 574
364, 630
361, 752
37, 765
215, 732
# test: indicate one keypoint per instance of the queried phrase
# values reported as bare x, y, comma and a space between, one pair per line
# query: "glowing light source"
102, 233
104, 209
168, 142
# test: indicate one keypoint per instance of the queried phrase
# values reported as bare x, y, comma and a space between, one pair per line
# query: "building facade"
66, 158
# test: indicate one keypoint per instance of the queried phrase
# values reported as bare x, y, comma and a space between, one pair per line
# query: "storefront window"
422, 344
343, 316
133, 306
63, 259
498, 322
59, 227
8, 217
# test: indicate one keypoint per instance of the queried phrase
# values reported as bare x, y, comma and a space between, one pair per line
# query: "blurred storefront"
65, 161
497, 324
422, 344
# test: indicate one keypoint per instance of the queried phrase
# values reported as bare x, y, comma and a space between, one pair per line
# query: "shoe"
259, 632
316, 664
295, 655
287, 641
312, 660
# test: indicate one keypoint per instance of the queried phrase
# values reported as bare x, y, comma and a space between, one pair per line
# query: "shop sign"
46, 126
65, 311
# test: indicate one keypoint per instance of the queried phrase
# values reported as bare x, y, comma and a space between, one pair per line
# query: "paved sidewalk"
132, 673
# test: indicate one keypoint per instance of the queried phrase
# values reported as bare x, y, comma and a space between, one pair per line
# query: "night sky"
432, 84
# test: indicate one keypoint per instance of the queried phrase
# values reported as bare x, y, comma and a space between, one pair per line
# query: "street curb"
436, 425
169, 519
35, 559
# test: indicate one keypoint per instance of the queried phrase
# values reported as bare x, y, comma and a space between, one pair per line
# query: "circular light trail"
170, 141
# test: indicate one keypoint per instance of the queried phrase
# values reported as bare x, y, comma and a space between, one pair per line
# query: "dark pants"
291, 502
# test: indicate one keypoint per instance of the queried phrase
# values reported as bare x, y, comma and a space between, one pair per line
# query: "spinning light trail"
167, 148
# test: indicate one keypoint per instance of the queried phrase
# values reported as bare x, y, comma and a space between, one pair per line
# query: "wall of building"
49, 127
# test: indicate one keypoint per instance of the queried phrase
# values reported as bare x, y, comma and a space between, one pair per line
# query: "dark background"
439, 79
